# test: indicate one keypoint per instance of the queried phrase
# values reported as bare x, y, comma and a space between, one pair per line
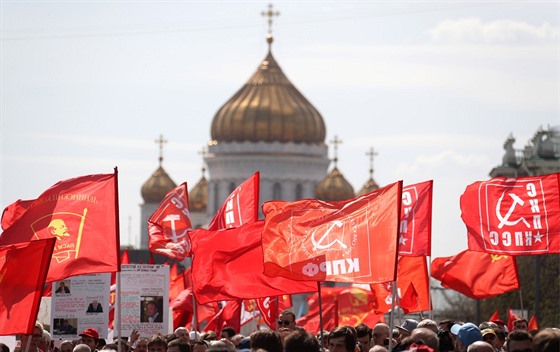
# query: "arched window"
277, 191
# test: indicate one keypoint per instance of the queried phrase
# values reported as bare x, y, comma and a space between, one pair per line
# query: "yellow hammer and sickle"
496, 257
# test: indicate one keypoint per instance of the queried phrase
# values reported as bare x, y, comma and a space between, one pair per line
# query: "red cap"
90, 332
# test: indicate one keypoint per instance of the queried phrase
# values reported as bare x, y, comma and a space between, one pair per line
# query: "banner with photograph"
144, 299
80, 302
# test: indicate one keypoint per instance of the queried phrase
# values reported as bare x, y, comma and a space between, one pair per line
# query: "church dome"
369, 186
157, 186
334, 187
268, 108
198, 196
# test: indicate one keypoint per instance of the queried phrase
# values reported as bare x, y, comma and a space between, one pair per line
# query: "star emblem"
402, 240
538, 237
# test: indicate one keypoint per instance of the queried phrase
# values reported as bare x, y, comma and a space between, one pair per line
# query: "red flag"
411, 271
476, 274
240, 207
20, 293
14, 211
176, 285
81, 214
183, 309
229, 315
409, 301
495, 316
228, 265
533, 324
513, 216
347, 241
169, 224
268, 309
311, 323
511, 318
173, 272
415, 231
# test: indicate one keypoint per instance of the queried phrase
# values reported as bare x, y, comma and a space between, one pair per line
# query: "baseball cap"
194, 335
408, 325
467, 333
90, 332
488, 331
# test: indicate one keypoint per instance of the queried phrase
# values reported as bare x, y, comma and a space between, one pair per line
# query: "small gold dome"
268, 108
157, 186
334, 187
369, 186
198, 196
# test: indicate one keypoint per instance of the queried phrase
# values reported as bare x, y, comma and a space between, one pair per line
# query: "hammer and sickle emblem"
496, 257
504, 220
318, 244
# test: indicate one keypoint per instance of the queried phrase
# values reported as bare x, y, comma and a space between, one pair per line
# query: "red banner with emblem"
477, 275
169, 224
81, 213
23, 269
270, 310
514, 216
348, 241
240, 207
415, 230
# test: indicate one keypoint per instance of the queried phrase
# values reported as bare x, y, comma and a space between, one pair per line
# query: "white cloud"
474, 30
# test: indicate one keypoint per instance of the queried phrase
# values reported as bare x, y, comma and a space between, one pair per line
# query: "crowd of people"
424, 336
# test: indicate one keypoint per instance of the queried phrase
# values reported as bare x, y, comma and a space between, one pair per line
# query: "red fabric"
476, 274
409, 301
511, 318
173, 272
513, 216
228, 265
240, 207
169, 224
341, 306
410, 271
269, 310
415, 230
533, 324
183, 309
349, 241
176, 286
81, 213
20, 295
495, 316
14, 211
227, 316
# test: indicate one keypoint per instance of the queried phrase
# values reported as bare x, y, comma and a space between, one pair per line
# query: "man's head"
406, 328
66, 346
266, 339
157, 344
466, 334
35, 339
301, 341
480, 346
363, 336
428, 323
228, 333
519, 341
489, 335
178, 345
182, 333
547, 340
287, 319
199, 346
151, 308
141, 345
429, 337
520, 324
342, 339
58, 229
89, 337
380, 335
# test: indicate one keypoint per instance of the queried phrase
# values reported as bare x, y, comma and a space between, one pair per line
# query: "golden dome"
334, 187
157, 186
198, 196
369, 186
268, 108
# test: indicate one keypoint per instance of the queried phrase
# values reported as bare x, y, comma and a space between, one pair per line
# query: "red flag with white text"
270, 310
20, 293
513, 216
169, 224
81, 213
477, 275
228, 265
240, 207
348, 241
415, 230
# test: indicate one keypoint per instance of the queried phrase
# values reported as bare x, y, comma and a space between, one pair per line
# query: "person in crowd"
194, 335
157, 343
67, 346
178, 345
378, 348
209, 336
114, 347
323, 338
182, 333
47, 344
199, 345
445, 340
301, 341
501, 325
34, 340
489, 335
521, 324
500, 338
89, 337
236, 339
82, 347
480, 346
380, 334
427, 335
519, 341
547, 340
406, 328
287, 319
342, 339
363, 335
428, 323
4, 347
466, 335
228, 333
141, 345
266, 339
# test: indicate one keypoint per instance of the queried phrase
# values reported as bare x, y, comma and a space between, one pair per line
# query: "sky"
434, 87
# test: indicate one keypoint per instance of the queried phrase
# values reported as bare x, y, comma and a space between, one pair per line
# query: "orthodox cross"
161, 142
371, 155
335, 142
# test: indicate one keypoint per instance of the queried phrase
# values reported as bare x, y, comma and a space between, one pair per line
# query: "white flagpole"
392, 316
119, 310
430, 289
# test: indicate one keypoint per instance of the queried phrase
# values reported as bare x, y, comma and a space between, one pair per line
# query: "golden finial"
371, 155
335, 142
161, 142
203, 152
270, 14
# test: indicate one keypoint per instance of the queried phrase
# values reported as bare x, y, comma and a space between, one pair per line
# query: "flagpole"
119, 310
320, 314
521, 302
392, 316
118, 250
431, 312
195, 317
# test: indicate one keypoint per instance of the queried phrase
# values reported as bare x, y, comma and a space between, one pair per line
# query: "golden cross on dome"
203, 152
335, 142
270, 14
161, 142
371, 155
